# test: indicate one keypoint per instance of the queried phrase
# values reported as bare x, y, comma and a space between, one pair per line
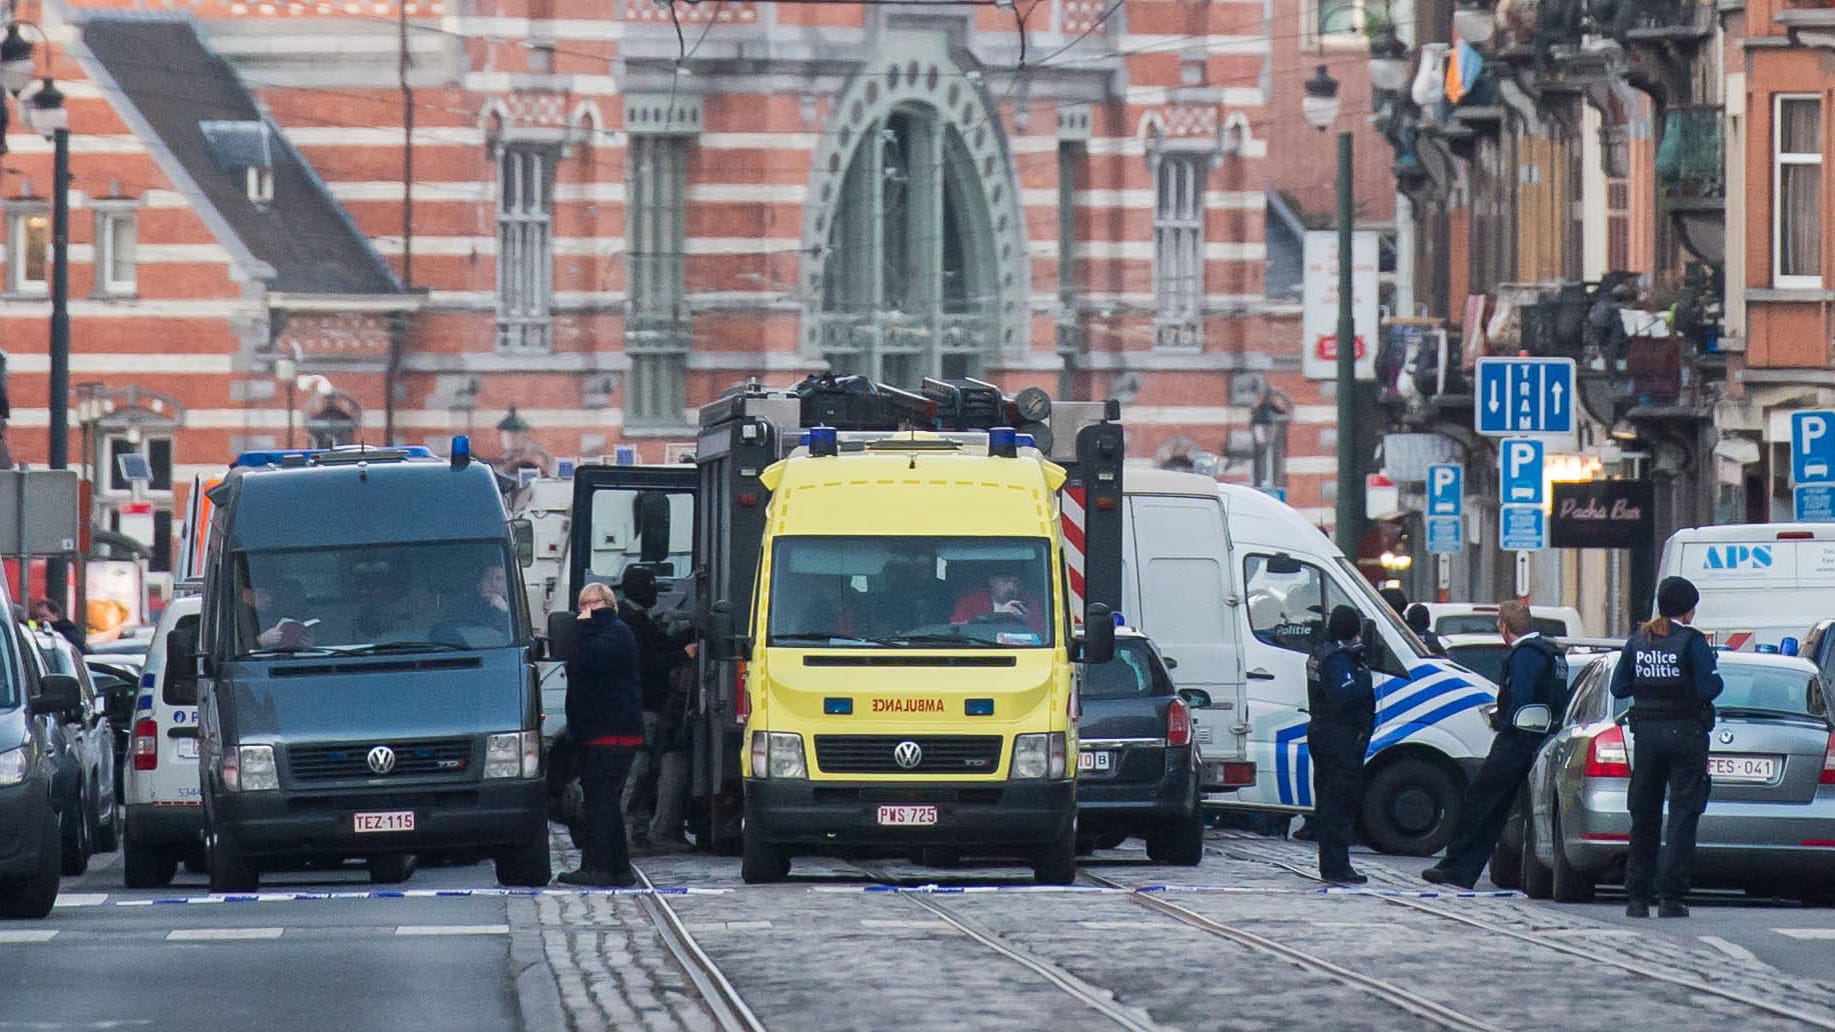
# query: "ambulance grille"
941, 754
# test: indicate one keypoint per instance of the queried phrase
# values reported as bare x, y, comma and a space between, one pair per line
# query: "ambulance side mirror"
722, 633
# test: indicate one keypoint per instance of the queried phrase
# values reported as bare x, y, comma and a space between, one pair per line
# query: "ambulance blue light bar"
978, 707
838, 707
1003, 442
822, 440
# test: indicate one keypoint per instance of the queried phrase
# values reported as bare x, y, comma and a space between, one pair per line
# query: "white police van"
1760, 582
1234, 585
165, 809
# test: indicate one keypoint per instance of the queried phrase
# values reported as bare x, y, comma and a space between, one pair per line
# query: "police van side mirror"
563, 635
1098, 634
522, 538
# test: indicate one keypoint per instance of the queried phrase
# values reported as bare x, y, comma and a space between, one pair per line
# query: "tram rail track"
729, 1011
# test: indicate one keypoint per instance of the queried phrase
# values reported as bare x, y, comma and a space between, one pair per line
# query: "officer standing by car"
1420, 621
1535, 675
1341, 703
1668, 672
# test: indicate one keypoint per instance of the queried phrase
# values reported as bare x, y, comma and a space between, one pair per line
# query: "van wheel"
230, 871
145, 867
1184, 839
32, 898
1409, 807
1538, 880
76, 839
1055, 863
392, 869
528, 865
1570, 884
761, 863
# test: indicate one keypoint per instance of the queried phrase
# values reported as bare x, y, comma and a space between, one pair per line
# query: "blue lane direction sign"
1519, 463
1445, 534
1812, 447
1815, 503
1525, 396
1446, 490
1523, 528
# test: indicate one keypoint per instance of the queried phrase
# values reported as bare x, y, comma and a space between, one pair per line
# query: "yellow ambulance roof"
919, 493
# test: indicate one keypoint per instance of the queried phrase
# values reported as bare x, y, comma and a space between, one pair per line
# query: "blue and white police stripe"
1432, 693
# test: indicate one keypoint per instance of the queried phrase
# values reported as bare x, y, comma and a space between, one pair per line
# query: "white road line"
488, 929
18, 935
221, 934
1731, 949
1119, 926
727, 926
1807, 933
928, 926
81, 899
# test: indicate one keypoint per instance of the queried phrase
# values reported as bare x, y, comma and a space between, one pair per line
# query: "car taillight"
1178, 723
1606, 755
742, 703
1828, 763
146, 744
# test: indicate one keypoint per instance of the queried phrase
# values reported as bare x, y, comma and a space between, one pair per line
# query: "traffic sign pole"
1522, 575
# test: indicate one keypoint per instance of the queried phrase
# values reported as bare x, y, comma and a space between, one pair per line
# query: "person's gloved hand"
1013, 606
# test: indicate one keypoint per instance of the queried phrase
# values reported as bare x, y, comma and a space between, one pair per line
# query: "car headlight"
1031, 756
503, 755
778, 754
13, 766
255, 770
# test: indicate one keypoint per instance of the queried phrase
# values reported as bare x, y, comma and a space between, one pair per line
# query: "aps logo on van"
1737, 557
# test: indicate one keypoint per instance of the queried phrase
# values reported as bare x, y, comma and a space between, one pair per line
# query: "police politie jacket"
1339, 690
1670, 675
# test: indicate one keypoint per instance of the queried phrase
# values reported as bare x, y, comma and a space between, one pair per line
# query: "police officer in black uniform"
1420, 621
1668, 672
1534, 674
1341, 702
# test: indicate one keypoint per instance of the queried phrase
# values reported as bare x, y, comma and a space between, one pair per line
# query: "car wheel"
147, 867
1538, 880
1570, 884
1055, 863
528, 865
108, 830
76, 837
230, 871
392, 869
1409, 807
1185, 839
761, 862
33, 897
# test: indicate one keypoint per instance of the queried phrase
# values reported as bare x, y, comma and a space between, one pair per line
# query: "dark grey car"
85, 744
1138, 765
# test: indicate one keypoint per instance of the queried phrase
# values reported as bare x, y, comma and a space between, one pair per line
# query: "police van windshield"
911, 592
447, 594
1376, 608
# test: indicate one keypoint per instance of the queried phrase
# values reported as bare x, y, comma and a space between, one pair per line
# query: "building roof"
202, 123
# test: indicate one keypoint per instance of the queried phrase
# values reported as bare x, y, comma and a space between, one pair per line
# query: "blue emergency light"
279, 456
1768, 650
1789, 647
1120, 620
822, 440
1027, 441
838, 707
978, 707
461, 451
1003, 442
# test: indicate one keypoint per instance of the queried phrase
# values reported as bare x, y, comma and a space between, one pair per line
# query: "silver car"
1770, 821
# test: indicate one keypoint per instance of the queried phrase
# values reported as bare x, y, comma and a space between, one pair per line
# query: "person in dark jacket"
1341, 707
605, 720
1668, 672
658, 655
51, 615
1534, 674
1420, 621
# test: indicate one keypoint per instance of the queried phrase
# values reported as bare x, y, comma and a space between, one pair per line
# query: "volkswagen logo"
1726, 738
907, 754
382, 759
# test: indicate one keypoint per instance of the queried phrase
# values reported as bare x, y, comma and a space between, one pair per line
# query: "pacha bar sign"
1602, 514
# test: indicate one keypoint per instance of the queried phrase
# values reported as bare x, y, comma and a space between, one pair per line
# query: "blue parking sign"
1814, 503
1812, 447
1445, 534
1446, 490
1524, 528
1519, 461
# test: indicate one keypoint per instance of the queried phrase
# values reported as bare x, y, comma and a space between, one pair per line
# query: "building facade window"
28, 251
657, 336
525, 248
117, 273
910, 283
1796, 133
1178, 249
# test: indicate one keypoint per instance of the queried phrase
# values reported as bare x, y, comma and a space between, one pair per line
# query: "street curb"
538, 995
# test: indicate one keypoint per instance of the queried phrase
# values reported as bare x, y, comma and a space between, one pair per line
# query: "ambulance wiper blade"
952, 640
822, 638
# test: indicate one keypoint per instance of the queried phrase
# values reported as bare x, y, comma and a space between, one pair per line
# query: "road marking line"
81, 899
489, 929
904, 925
221, 934
1731, 949
17, 935
1119, 926
726, 926
1807, 933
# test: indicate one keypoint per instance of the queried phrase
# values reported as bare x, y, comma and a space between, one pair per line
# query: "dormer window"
243, 149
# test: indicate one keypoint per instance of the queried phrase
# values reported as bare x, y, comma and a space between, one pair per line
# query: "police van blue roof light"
461, 451
1120, 619
823, 440
1789, 647
1769, 650
1003, 441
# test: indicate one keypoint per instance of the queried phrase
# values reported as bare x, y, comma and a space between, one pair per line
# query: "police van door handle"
1259, 674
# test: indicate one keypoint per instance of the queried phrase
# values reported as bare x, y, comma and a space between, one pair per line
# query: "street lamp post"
286, 370
51, 120
1320, 106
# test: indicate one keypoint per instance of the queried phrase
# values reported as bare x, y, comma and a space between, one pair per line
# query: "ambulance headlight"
778, 754
1032, 756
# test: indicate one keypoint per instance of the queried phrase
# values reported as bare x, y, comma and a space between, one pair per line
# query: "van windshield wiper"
822, 638
402, 646
286, 650
952, 640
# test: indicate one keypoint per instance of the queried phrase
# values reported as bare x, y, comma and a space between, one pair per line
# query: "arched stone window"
917, 260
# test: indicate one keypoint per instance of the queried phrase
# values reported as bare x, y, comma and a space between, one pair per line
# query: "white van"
1759, 582
165, 811
1481, 618
1234, 585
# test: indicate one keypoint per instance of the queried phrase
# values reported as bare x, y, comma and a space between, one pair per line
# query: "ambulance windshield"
911, 592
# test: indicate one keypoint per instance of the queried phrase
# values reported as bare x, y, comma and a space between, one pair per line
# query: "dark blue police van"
366, 669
